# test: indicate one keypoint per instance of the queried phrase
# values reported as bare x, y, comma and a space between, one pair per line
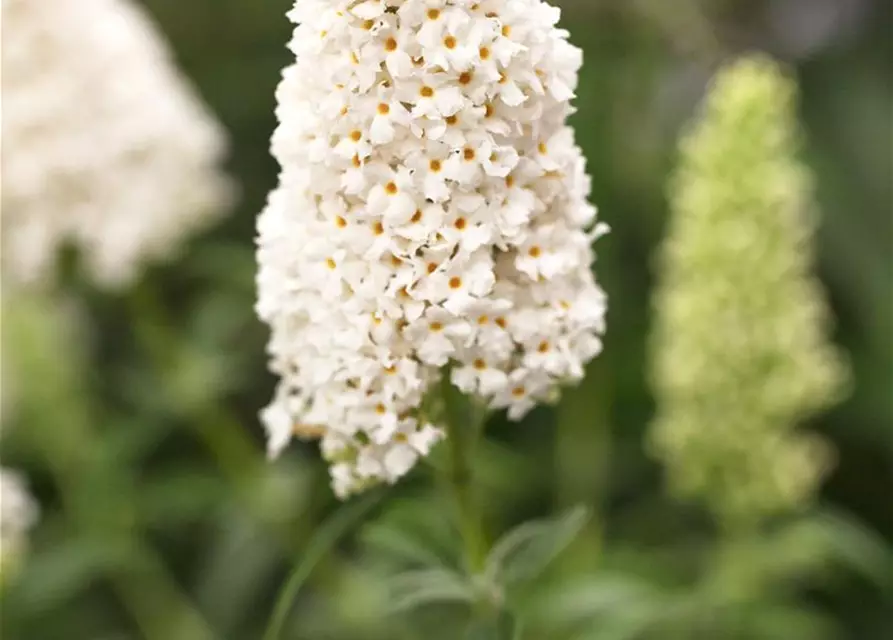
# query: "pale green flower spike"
740, 354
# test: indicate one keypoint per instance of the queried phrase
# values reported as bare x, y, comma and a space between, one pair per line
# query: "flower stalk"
464, 422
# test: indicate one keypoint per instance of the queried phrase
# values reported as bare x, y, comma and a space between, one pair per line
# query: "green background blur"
160, 499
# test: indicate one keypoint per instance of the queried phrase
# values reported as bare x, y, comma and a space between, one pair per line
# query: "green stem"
464, 421
583, 457
323, 541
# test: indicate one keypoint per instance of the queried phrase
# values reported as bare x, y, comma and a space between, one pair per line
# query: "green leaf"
779, 621
856, 546
626, 625
178, 496
660, 612
802, 551
500, 626
229, 602
412, 532
417, 588
587, 598
325, 539
62, 572
526, 551
404, 546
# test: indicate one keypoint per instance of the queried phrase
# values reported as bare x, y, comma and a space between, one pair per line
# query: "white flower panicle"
431, 213
17, 514
105, 145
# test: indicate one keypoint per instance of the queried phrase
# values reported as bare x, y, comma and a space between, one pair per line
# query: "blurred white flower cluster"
431, 211
105, 145
17, 514
740, 348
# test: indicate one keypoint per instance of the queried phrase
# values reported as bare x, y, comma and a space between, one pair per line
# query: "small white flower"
279, 425
479, 377
388, 114
520, 393
433, 96
437, 333
393, 197
469, 228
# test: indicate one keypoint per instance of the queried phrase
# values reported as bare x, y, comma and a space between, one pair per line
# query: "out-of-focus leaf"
416, 588
776, 621
195, 379
356, 596
178, 496
800, 552
700, 615
239, 542
385, 538
499, 626
506, 475
627, 623
129, 439
525, 551
856, 547
588, 598
412, 531
326, 537
64, 571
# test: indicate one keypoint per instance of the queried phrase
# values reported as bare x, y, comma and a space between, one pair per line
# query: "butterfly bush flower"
17, 514
740, 348
431, 219
105, 145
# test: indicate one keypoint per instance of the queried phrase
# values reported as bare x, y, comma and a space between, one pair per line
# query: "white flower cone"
105, 145
740, 351
431, 211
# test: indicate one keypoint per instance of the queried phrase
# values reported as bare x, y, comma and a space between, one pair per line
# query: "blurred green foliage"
161, 518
